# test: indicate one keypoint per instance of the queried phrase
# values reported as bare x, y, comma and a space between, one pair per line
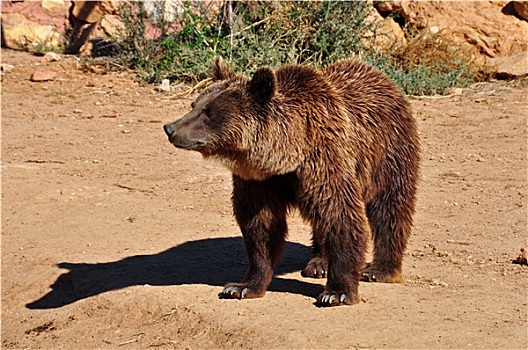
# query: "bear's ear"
221, 71
263, 84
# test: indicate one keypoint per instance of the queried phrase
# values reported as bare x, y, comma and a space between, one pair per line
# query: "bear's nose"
169, 129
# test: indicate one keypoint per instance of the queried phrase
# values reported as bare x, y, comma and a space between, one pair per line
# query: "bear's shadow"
213, 262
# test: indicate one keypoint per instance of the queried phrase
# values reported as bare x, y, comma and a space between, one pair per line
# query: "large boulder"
485, 27
18, 32
30, 24
87, 33
42, 25
388, 34
93, 11
510, 67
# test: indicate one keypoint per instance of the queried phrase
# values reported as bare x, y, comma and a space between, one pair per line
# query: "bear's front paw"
317, 267
239, 291
329, 298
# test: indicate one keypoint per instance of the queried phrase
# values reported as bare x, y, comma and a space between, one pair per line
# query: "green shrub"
249, 35
423, 79
294, 32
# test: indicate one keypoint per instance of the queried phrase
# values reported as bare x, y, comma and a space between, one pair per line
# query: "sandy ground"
113, 238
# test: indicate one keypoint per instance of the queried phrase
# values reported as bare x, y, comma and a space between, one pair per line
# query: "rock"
455, 92
54, 13
393, 32
109, 7
437, 283
34, 25
93, 11
521, 8
110, 25
7, 67
510, 67
165, 86
169, 8
88, 11
55, 8
482, 26
86, 20
387, 6
18, 32
43, 75
51, 57
389, 35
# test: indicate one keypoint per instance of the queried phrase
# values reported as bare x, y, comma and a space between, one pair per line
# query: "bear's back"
366, 91
357, 87
300, 82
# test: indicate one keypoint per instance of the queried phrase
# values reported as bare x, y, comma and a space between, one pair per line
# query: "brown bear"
340, 144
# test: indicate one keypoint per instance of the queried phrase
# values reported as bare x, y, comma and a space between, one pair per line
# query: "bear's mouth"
189, 145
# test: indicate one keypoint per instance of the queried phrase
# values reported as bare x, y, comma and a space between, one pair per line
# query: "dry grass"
443, 53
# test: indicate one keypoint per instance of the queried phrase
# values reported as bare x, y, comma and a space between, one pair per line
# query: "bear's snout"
169, 129
186, 133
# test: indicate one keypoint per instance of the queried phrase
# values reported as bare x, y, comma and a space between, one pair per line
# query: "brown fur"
339, 144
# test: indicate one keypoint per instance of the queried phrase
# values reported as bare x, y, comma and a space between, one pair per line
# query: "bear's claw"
233, 292
335, 299
240, 291
372, 274
316, 268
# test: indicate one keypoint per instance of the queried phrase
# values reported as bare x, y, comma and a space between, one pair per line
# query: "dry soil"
113, 238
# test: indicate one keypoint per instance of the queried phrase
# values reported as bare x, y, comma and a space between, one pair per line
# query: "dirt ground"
113, 238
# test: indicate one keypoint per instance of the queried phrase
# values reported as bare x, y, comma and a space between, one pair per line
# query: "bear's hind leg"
390, 219
317, 267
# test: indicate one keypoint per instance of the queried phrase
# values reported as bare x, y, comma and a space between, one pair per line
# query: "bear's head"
224, 117
228, 119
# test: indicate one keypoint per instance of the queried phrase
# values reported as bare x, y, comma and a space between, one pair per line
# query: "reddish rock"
482, 26
43, 75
